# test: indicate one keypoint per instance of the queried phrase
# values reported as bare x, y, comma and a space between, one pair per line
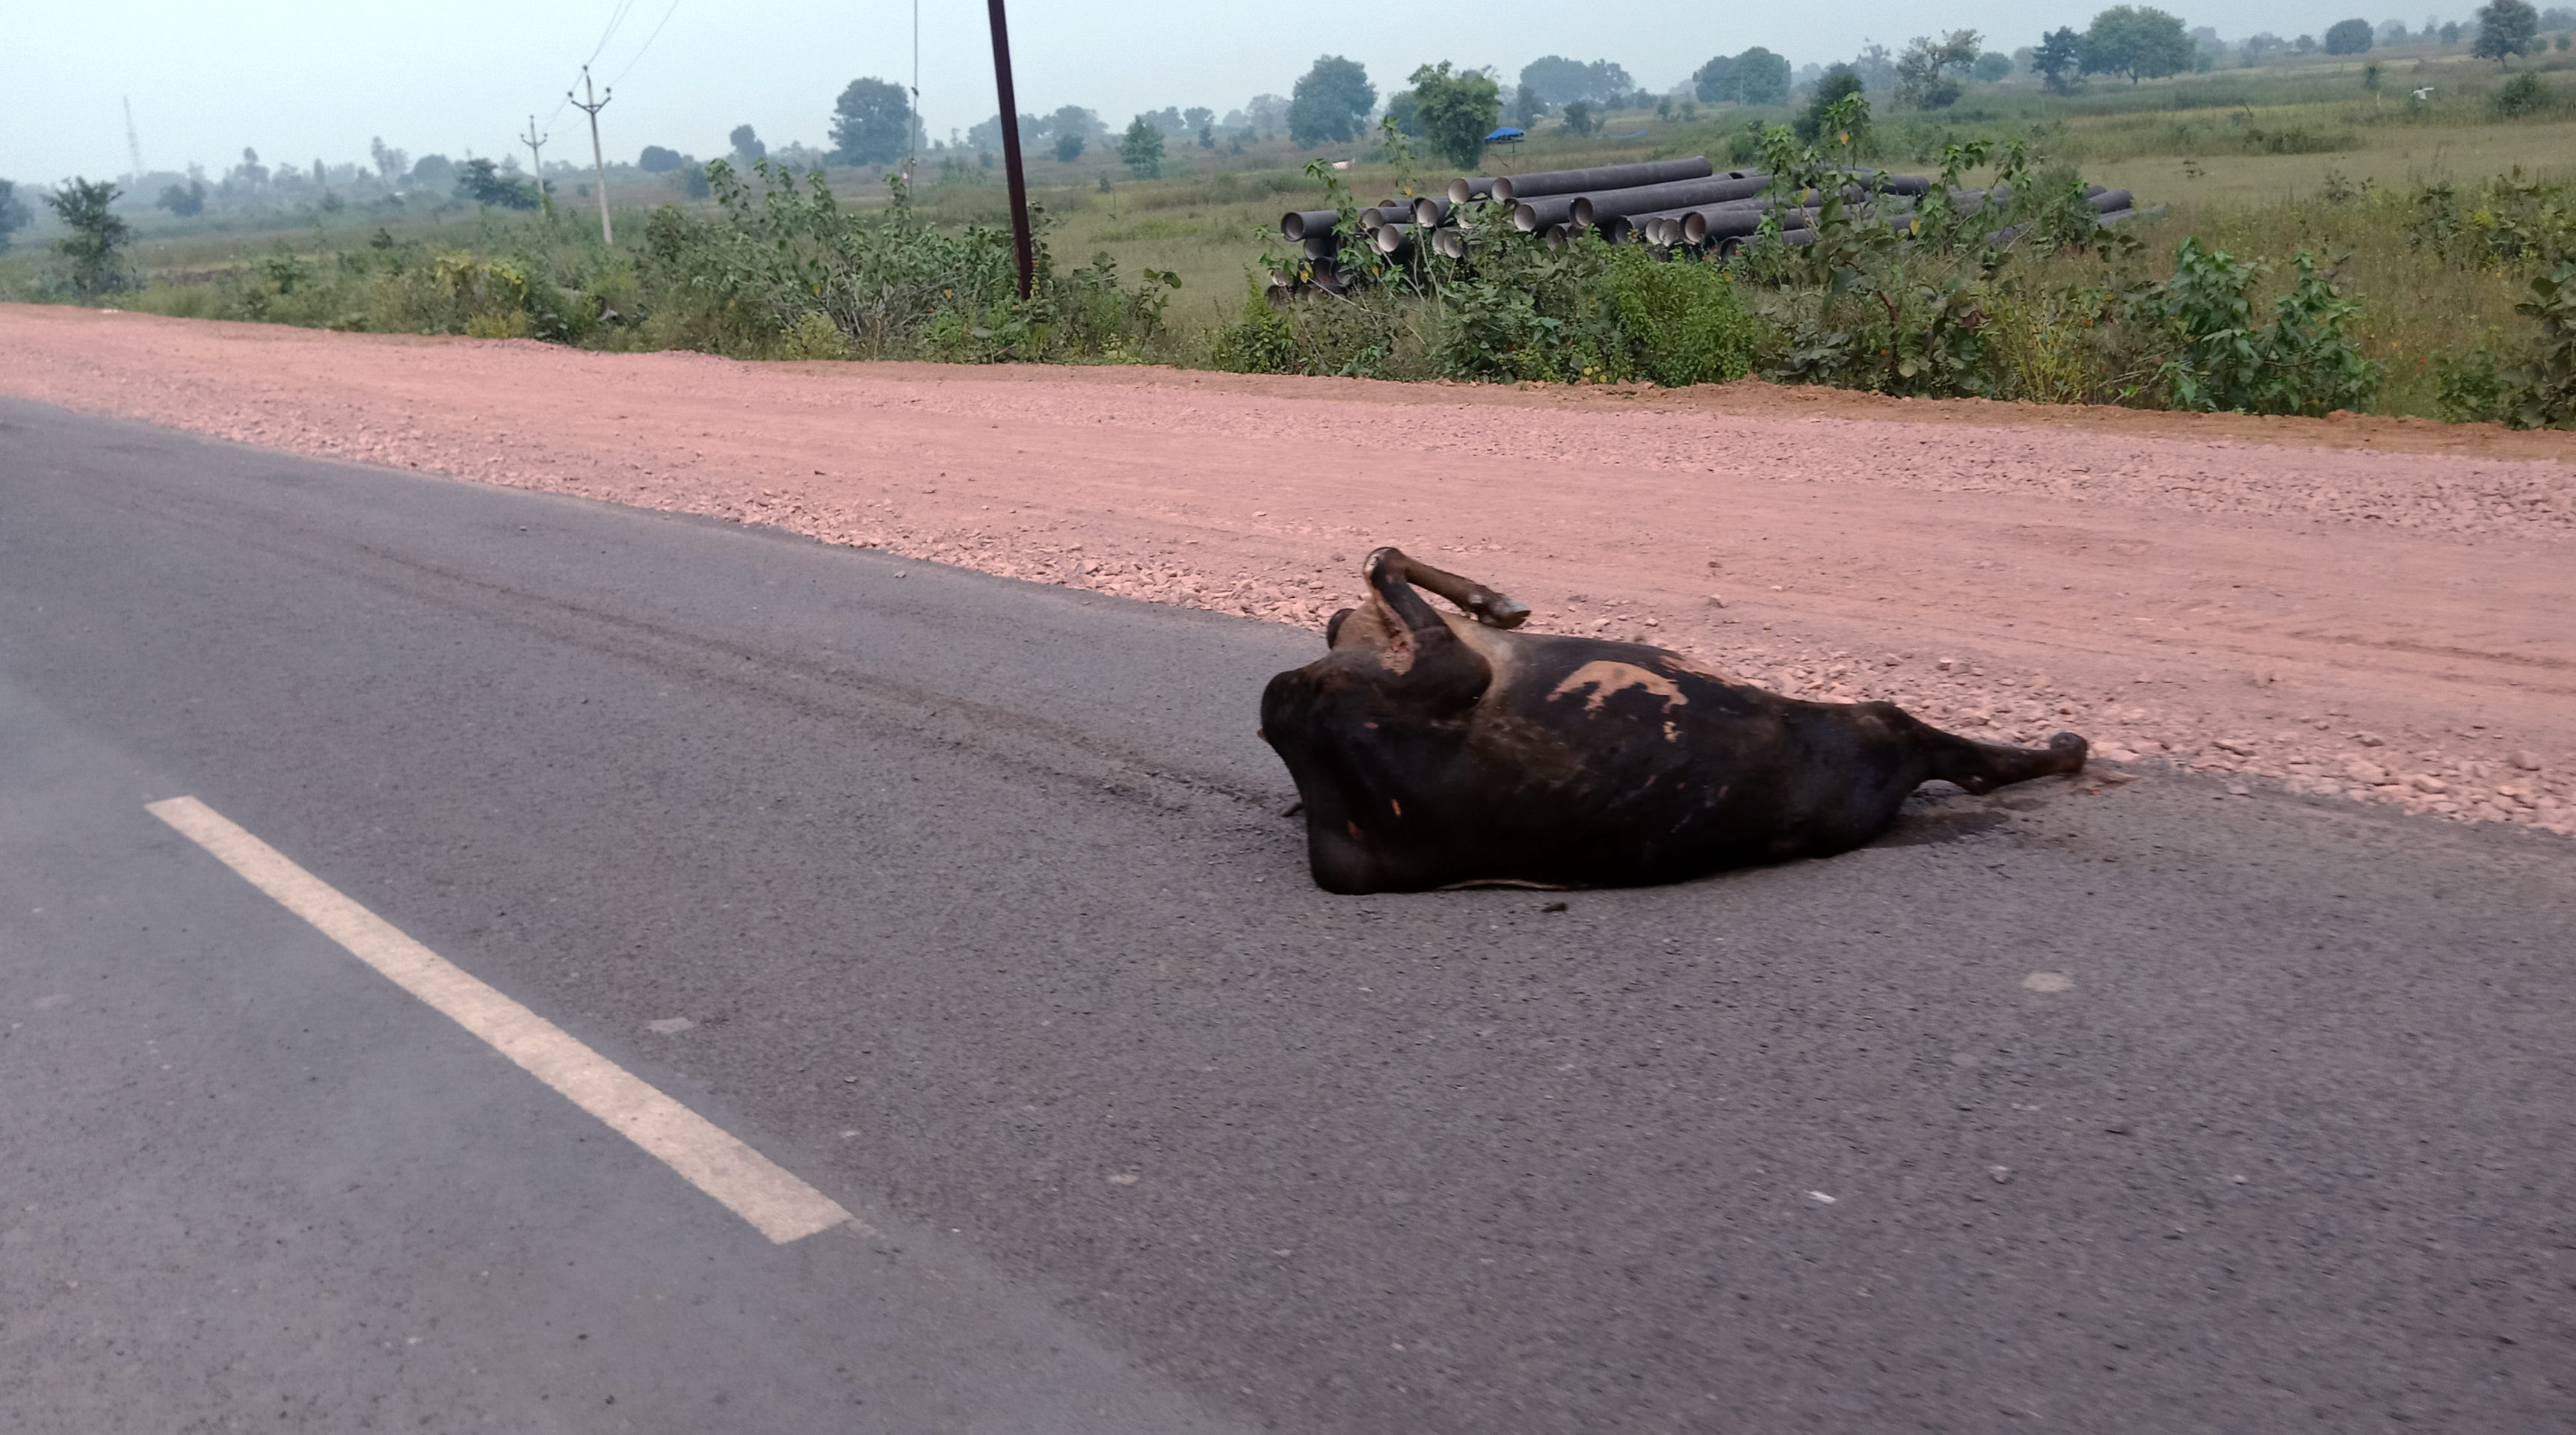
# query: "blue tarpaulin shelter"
1505, 135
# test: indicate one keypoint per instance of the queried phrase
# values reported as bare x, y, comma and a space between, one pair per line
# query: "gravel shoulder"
2365, 607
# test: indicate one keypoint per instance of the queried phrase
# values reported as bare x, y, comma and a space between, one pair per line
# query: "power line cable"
616, 18
648, 41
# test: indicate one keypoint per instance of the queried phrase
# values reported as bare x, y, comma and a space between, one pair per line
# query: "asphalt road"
2143, 1108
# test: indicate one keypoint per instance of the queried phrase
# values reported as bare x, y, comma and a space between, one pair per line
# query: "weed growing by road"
781, 252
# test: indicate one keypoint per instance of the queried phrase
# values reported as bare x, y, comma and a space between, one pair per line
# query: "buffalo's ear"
1333, 627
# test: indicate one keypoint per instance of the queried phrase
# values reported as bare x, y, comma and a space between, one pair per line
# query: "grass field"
2262, 162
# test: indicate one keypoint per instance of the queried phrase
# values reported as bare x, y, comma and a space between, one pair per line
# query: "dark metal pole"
1011, 148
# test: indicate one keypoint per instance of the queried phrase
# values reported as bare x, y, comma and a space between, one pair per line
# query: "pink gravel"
2388, 626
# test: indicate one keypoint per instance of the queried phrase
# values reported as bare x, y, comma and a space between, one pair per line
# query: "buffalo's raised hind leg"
1985, 766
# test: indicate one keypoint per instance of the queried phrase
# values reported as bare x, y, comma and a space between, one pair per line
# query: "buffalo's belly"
1632, 825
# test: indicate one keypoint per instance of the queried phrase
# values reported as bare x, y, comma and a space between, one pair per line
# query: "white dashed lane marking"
755, 1188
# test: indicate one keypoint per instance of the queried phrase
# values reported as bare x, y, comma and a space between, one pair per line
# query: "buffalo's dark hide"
1432, 749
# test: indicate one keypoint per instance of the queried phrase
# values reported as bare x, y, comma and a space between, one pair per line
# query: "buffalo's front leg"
1474, 599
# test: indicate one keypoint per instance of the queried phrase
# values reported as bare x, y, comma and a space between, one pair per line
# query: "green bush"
1263, 341
2543, 392
2305, 361
411, 289
2522, 95
97, 239
743, 281
2508, 223
1681, 320
1369, 334
2469, 386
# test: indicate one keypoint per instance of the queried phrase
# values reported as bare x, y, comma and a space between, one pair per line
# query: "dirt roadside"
2367, 607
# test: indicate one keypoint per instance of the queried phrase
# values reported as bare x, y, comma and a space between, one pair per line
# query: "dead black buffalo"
1433, 749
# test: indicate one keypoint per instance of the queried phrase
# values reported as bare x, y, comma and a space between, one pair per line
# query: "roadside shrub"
2541, 390
2508, 223
2063, 343
815, 336
2306, 360
745, 279
1681, 320
1866, 305
1526, 312
2469, 385
1260, 342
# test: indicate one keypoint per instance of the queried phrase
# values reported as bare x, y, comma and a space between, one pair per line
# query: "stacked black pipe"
1676, 203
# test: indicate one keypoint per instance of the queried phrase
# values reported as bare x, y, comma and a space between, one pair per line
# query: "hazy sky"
305, 80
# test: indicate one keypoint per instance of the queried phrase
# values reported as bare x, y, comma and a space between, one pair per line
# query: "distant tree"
1580, 118
1458, 110
657, 160
1559, 80
1401, 108
482, 182
2059, 60
1714, 82
987, 134
183, 202
1068, 148
1328, 102
1075, 120
2392, 32
1761, 78
86, 209
390, 163
2556, 17
747, 146
2348, 37
14, 214
433, 172
1928, 73
1840, 82
1527, 109
1993, 65
2506, 28
1266, 113
250, 173
1141, 148
2451, 32
1876, 67
871, 122
2142, 42
1756, 77
1197, 118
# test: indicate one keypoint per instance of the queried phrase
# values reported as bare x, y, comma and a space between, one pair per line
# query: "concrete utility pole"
1020, 240
912, 141
598, 162
536, 144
